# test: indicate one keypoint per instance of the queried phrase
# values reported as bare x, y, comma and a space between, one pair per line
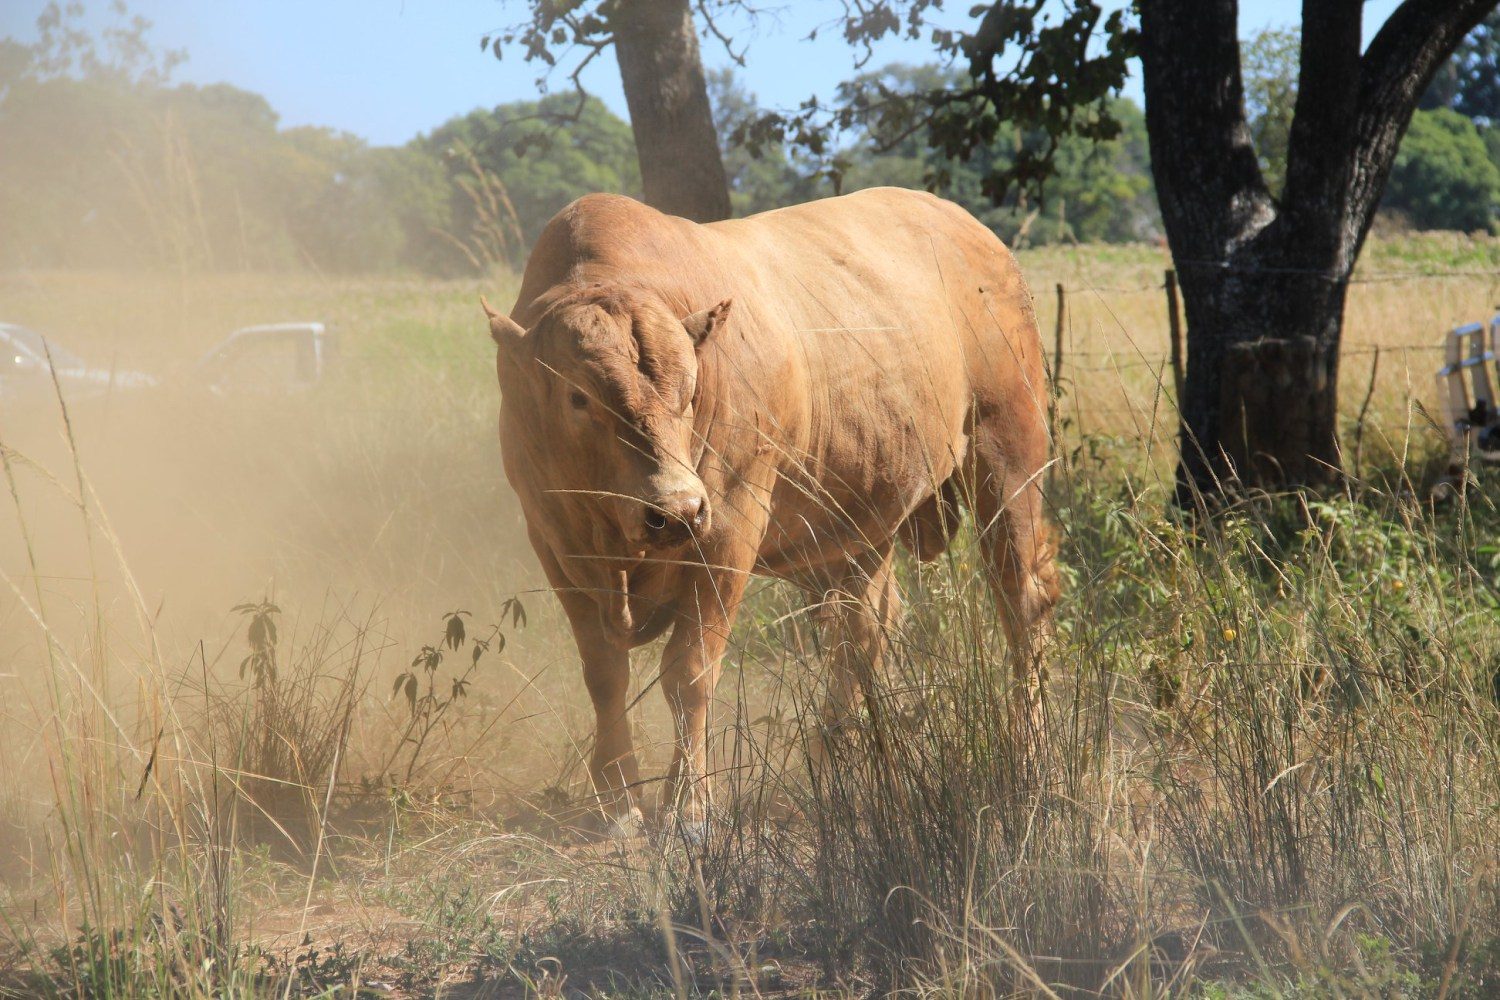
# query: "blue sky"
388, 69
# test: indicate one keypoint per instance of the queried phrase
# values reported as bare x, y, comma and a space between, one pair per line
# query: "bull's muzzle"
674, 519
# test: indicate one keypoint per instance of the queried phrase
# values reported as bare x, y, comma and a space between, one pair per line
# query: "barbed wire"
1358, 278
1164, 361
479, 354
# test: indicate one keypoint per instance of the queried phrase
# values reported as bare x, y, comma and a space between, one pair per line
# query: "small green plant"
456, 929
261, 637
284, 737
428, 700
314, 970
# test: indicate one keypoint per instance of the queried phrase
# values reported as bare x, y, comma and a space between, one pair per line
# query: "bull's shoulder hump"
601, 230
943, 213
584, 220
866, 213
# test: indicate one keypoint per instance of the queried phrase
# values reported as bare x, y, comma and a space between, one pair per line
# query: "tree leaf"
454, 635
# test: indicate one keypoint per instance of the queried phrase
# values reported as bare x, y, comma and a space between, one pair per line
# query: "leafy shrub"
1443, 177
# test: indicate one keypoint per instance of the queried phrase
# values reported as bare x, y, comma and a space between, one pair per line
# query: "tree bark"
681, 169
1260, 410
1264, 280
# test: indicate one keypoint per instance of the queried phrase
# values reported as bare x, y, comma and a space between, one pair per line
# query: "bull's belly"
814, 530
880, 439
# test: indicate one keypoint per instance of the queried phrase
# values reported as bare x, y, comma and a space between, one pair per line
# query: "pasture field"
1271, 766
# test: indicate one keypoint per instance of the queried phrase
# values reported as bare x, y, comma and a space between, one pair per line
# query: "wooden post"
1057, 363
1359, 425
1057, 337
1179, 376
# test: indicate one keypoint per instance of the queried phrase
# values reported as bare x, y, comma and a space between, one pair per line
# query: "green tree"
545, 153
416, 187
756, 183
1098, 190
340, 214
1105, 187
1491, 136
109, 163
1469, 82
1270, 68
1443, 177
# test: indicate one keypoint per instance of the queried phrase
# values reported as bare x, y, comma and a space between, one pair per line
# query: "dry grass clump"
1270, 757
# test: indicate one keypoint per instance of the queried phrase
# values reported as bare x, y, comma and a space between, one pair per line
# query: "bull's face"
601, 392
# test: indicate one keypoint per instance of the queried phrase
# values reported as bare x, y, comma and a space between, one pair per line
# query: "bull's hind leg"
857, 614
1014, 535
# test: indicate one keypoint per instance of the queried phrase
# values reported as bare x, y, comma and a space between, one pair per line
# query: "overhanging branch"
1208, 179
1397, 66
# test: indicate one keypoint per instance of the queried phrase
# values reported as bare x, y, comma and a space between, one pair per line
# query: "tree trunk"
1264, 279
1261, 405
681, 169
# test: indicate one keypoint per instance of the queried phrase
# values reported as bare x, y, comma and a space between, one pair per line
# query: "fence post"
1057, 340
1179, 376
1364, 408
1057, 363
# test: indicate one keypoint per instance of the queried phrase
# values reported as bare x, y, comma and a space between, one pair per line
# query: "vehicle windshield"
33, 346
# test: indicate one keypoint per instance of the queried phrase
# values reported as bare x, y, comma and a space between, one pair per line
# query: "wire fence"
1358, 278
1066, 358
1163, 362
1096, 361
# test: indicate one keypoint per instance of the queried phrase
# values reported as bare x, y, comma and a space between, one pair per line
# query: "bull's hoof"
692, 831
688, 823
628, 826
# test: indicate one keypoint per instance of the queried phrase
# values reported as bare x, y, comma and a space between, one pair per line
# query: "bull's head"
600, 394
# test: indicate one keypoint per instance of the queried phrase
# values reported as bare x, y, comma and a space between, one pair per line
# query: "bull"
792, 395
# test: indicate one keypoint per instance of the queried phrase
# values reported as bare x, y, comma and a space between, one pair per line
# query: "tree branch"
1320, 149
1399, 63
1208, 179
712, 26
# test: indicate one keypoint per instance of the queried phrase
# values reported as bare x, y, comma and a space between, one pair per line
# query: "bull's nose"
674, 519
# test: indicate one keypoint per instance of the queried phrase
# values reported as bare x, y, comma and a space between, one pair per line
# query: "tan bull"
789, 394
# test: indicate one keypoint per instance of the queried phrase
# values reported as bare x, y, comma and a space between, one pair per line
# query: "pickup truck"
268, 359
24, 368
275, 357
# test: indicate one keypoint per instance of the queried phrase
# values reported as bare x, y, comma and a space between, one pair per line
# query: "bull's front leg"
606, 674
612, 766
689, 673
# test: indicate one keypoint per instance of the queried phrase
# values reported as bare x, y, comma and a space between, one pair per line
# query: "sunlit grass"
1271, 761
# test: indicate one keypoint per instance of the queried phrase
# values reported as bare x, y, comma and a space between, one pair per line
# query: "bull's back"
907, 313
895, 278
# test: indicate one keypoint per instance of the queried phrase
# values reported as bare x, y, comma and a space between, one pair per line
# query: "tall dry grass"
1269, 766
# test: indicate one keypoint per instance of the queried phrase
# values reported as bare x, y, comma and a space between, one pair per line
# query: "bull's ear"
505, 331
703, 324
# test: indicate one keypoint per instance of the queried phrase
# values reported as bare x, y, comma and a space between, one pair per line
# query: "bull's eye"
578, 399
